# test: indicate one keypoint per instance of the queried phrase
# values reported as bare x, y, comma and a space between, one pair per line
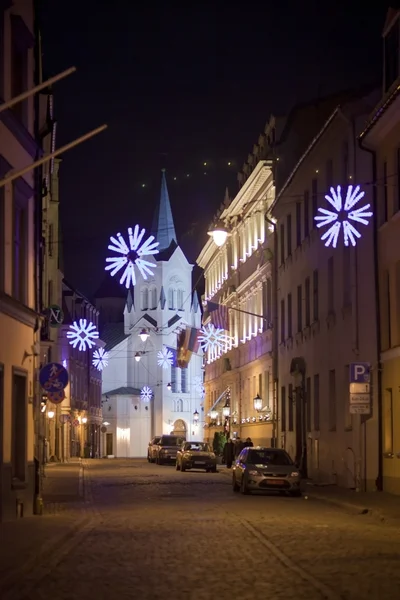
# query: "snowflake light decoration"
82, 333
212, 338
199, 386
340, 218
132, 256
165, 358
100, 359
146, 393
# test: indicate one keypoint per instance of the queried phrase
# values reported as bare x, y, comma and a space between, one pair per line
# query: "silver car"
258, 469
196, 455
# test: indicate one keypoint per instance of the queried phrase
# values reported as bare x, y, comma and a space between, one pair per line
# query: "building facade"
380, 138
78, 423
19, 318
238, 276
161, 307
326, 309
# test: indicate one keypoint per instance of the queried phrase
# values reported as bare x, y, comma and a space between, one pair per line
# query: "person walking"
229, 453
248, 443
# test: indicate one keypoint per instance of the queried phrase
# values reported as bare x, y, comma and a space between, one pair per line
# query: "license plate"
199, 463
276, 481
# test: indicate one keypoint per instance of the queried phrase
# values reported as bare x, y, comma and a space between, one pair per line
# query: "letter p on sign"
360, 373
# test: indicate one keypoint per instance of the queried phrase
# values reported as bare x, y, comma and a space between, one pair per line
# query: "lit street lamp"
257, 403
143, 335
219, 234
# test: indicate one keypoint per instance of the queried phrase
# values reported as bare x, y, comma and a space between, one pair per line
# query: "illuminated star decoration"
212, 338
198, 385
100, 359
146, 393
165, 358
132, 256
339, 219
83, 334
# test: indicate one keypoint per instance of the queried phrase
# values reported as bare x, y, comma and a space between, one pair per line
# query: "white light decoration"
165, 358
146, 393
132, 255
82, 333
212, 338
198, 385
100, 359
339, 219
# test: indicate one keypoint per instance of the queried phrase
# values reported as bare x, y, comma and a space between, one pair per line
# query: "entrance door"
180, 428
109, 444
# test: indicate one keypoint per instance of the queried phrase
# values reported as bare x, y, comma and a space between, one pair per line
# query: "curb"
358, 509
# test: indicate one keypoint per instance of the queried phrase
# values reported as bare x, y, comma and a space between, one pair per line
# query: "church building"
144, 391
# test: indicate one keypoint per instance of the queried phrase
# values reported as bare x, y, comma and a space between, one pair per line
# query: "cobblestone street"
149, 532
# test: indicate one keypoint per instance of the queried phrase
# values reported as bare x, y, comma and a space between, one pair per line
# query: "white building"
163, 306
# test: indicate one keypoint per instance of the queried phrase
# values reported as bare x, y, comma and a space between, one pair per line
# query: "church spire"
163, 224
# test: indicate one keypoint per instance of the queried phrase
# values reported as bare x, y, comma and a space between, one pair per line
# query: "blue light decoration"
339, 219
132, 256
82, 333
100, 359
146, 393
212, 338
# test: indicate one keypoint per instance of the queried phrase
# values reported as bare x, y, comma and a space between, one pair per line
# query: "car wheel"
214, 470
243, 486
177, 466
235, 485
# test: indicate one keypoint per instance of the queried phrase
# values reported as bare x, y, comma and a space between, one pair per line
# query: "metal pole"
36, 89
11, 176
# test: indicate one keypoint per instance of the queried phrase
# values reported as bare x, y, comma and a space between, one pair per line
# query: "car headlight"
295, 474
255, 473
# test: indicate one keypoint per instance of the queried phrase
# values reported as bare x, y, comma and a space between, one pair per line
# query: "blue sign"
53, 377
360, 372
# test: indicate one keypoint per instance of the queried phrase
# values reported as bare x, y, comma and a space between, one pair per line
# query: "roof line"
380, 112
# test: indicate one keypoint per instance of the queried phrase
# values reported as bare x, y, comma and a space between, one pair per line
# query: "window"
299, 309
174, 379
306, 213
290, 406
391, 55
345, 163
267, 291
314, 200
329, 174
20, 242
332, 400
171, 299
315, 296
50, 292
153, 298
180, 299
144, 294
283, 328
347, 417
388, 425
282, 230
283, 408
308, 301
289, 316
384, 208
19, 427
289, 234
316, 402
50, 240
298, 224
19, 71
331, 286
308, 404
184, 386
385, 312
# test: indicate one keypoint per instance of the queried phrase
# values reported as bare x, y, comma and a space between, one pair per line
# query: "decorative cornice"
18, 311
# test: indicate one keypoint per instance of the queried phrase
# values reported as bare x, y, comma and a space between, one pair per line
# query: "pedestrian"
239, 445
229, 453
248, 443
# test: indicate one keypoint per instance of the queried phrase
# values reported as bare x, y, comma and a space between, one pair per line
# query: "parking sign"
360, 372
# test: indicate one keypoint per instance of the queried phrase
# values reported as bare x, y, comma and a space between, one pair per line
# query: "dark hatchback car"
258, 469
167, 448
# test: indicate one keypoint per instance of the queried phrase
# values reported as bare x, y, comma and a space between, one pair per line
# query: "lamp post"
144, 334
219, 234
257, 403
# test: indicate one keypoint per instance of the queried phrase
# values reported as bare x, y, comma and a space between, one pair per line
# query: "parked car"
152, 449
196, 455
260, 468
167, 448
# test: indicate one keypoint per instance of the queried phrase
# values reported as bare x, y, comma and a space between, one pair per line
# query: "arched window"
179, 405
171, 299
180, 299
144, 301
153, 298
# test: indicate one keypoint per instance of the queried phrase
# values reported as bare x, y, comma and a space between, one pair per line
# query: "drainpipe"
274, 334
379, 479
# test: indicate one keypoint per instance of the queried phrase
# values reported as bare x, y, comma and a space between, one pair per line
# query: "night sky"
179, 88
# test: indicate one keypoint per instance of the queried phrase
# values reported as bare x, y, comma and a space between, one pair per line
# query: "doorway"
180, 428
109, 444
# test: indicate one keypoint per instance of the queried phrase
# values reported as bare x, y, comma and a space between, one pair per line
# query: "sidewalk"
30, 541
377, 505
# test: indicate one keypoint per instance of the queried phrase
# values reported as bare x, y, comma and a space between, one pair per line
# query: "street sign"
360, 388
360, 372
103, 429
55, 315
53, 377
56, 397
360, 409
75, 423
360, 399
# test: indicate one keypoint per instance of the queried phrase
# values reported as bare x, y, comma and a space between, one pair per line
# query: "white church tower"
156, 311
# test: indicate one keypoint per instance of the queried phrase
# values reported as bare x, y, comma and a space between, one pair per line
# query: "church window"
144, 298
153, 298
179, 405
180, 299
184, 386
174, 379
171, 298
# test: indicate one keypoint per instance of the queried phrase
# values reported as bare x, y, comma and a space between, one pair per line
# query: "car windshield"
169, 440
196, 447
269, 457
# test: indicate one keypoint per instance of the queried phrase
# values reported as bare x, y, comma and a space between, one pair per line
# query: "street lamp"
196, 416
138, 356
257, 403
169, 387
219, 233
143, 335
50, 414
226, 411
84, 420
214, 414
